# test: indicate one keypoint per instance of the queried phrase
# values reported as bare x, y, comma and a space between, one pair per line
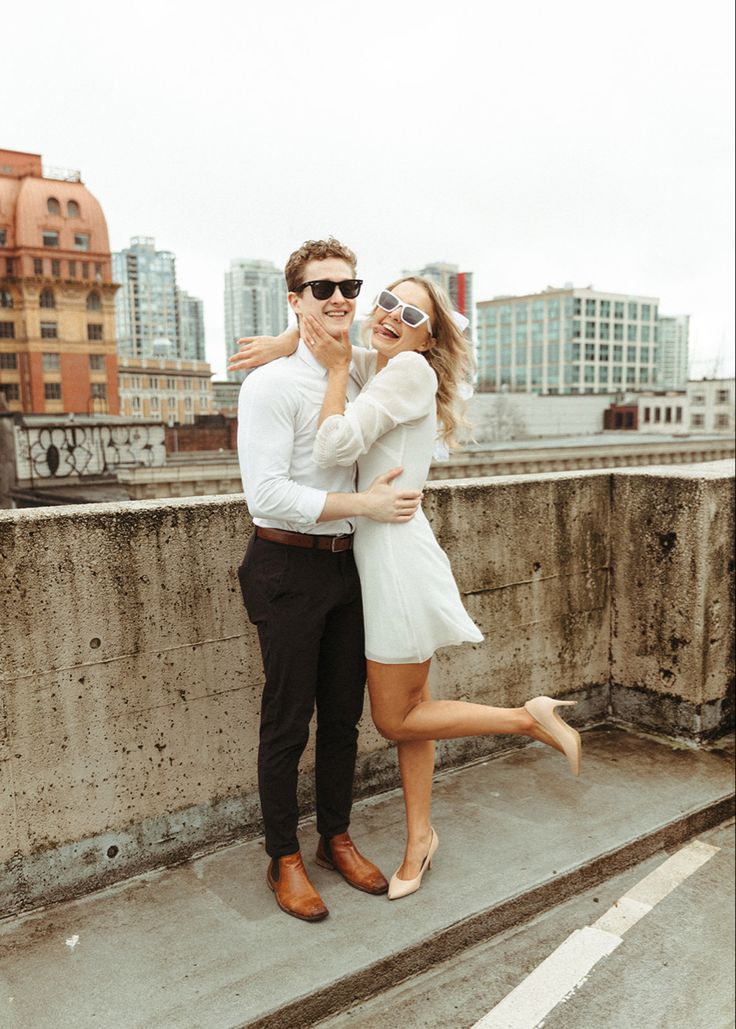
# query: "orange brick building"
57, 298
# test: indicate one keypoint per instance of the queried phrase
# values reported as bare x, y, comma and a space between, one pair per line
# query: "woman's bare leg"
416, 764
402, 711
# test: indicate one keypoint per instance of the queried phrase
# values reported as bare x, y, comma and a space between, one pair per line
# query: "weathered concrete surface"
130, 679
672, 640
675, 968
204, 944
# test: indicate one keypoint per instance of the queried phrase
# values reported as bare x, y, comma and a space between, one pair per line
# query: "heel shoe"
403, 887
542, 710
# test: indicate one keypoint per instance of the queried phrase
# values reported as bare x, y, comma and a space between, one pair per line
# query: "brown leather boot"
294, 893
340, 853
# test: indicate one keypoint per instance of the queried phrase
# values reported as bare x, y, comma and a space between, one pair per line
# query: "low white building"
712, 405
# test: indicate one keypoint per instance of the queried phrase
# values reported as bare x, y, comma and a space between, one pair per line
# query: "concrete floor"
675, 968
203, 946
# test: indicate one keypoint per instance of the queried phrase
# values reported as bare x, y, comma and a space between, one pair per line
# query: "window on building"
604, 330
3, 237
631, 355
9, 266
576, 330
577, 305
72, 209
697, 421
618, 309
605, 308
38, 266
658, 414
52, 362
630, 376
136, 403
723, 421
618, 331
49, 330
603, 351
155, 405
722, 395
590, 330
47, 298
7, 330
590, 373
171, 401
11, 390
6, 298
81, 241
187, 403
645, 333
72, 269
590, 308
575, 352
646, 312
647, 414
203, 383
590, 351
85, 269
94, 331
98, 271
50, 239
631, 333
603, 375
53, 206
678, 415
644, 375
153, 382
644, 355
576, 373
668, 415
55, 268
99, 390
52, 390
633, 311
697, 398
97, 362
617, 374
8, 362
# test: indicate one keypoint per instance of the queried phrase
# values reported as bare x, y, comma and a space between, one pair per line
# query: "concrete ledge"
130, 679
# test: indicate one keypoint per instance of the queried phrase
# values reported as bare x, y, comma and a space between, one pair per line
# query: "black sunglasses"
322, 289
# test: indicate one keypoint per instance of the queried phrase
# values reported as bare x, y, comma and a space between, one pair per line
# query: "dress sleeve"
401, 393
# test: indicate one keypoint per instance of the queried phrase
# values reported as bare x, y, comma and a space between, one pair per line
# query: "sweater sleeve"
401, 393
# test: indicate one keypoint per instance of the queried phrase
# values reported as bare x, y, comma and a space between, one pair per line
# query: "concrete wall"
130, 678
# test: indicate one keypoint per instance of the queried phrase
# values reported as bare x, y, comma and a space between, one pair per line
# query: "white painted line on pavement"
567, 967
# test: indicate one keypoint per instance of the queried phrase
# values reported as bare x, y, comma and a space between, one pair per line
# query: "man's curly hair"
315, 250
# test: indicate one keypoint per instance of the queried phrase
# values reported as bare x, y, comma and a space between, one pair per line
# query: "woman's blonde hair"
451, 357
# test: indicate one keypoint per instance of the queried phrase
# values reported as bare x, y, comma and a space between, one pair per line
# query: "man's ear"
293, 299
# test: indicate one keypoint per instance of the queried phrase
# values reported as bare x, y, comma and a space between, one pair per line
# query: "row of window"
52, 390
51, 238
723, 396
722, 421
52, 362
654, 415
593, 308
54, 265
50, 330
54, 207
138, 382
571, 352
154, 403
602, 330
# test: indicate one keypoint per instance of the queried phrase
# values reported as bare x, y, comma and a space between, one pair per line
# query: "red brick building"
57, 310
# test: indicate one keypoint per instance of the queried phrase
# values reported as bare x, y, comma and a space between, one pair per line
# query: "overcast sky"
532, 143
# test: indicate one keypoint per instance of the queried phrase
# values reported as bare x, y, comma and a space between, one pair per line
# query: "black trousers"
307, 607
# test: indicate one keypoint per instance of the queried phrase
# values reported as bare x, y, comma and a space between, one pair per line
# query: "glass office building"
255, 302
146, 305
674, 333
567, 341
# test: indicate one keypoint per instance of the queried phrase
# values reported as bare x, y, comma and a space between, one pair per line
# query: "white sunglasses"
410, 315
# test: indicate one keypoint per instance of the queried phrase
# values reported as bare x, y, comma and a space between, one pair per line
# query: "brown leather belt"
307, 540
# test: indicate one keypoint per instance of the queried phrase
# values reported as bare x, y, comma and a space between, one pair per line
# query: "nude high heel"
542, 710
403, 887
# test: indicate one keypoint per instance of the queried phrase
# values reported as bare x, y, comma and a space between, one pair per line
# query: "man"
301, 588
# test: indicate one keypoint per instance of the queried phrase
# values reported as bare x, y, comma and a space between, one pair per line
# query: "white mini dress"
411, 603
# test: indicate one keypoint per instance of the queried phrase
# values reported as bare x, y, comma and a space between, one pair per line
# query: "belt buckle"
339, 540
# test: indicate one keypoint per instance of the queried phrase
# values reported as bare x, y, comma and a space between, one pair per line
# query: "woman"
411, 602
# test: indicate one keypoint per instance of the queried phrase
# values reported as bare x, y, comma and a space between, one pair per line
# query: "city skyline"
560, 145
